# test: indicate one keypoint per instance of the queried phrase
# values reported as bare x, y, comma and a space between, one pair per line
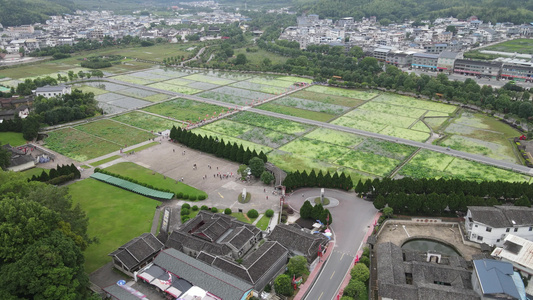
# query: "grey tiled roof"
502, 216
137, 250
48, 88
261, 260
298, 241
202, 275
117, 292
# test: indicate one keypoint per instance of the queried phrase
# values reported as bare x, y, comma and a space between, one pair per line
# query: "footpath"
314, 274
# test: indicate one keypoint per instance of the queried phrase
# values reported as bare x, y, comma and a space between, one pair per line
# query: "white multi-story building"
53, 91
491, 225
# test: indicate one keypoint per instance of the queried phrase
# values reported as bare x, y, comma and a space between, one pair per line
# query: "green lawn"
185, 110
78, 145
105, 160
242, 217
34, 171
146, 121
524, 46
263, 223
12, 138
157, 180
297, 112
256, 58
115, 217
115, 132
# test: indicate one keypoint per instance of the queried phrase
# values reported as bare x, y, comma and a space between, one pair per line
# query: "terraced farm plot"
146, 121
340, 138
107, 86
91, 89
179, 81
470, 170
272, 81
315, 149
291, 163
426, 159
401, 100
266, 137
259, 87
359, 124
115, 132
276, 124
325, 98
128, 102
202, 85
489, 149
134, 80
385, 148
78, 145
433, 113
224, 98
137, 93
174, 88
407, 134
435, 123
209, 79
368, 162
185, 110
227, 127
312, 105
387, 108
246, 144
157, 97
356, 94
420, 126
295, 79
252, 95
296, 112
380, 118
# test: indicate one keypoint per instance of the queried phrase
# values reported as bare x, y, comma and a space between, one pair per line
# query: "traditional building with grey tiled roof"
298, 241
408, 275
136, 253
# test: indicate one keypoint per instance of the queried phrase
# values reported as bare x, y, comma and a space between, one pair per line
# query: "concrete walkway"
155, 222
314, 273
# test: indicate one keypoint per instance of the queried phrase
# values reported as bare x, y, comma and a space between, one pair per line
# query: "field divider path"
160, 116
400, 166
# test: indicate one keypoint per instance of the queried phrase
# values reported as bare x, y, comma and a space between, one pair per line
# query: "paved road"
351, 220
460, 154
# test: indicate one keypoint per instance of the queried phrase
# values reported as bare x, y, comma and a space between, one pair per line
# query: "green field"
34, 171
368, 162
12, 138
296, 112
78, 145
400, 100
115, 217
257, 58
105, 160
314, 149
263, 223
115, 132
175, 88
280, 125
146, 121
523, 46
335, 137
245, 144
325, 98
185, 110
158, 181
356, 94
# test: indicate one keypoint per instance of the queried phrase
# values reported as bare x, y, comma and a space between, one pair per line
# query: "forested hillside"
516, 11
20, 12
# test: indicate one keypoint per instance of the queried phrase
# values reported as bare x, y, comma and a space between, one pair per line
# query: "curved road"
474, 157
351, 221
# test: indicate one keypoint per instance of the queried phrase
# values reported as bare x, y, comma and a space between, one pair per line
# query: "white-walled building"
490, 225
53, 91
517, 251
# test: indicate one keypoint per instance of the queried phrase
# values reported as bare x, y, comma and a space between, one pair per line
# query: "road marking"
342, 256
332, 275
221, 195
320, 295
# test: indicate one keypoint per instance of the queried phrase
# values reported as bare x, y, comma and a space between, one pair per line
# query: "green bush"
227, 211
185, 197
185, 211
185, 219
214, 210
269, 213
195, 208
186, 205
179, 195
204, 207
252, 214
201, 197
192, 197
283, 219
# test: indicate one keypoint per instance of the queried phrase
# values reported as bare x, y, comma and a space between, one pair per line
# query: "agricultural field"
115, 132
245, 144
224, 98
297, 112
314, 149
227, 127
385, 148
279, 125
407, 134
91, 89
369, 163
356, 94
480, 134
523, 46
136, 213
391, 109
12, 138
78, 145
133, 79
317, 106
146, 121
432, 106
185, 110
158, 181
209, 79
427, 164
435, 123
325, 98
335, 137
269, 89
295, 79
175, 88
420, 126
272, 81
235, 92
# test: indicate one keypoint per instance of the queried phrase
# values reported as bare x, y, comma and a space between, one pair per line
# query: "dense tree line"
58, 175
230, 151
299, 179
438, 196
41, 241
317, 212
23, 12
69, 107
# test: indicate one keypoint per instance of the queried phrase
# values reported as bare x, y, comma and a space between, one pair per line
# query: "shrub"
186, 205
195, 208
285, 214
366, 251
360, 272
269, 213
184, 219
283, 285
185, 197
179, 195
204, 207
365, 260
201, 197
252, 213
283, 219
268, 288
214, 210
227, 211
192, 197
185, 211
289, 210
